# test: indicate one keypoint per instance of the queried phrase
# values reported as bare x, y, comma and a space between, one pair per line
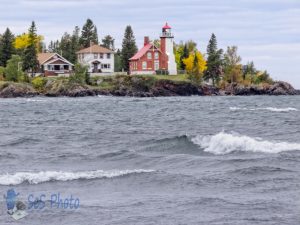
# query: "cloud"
266, 31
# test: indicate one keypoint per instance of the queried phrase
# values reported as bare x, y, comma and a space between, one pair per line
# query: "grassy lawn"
182, 77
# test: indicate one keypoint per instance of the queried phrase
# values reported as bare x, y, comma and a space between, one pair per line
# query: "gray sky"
266, 31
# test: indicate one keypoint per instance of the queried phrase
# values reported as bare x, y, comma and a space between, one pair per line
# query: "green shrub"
263, 77
195, 78
2, 69
12, 72
38, 83
80, 75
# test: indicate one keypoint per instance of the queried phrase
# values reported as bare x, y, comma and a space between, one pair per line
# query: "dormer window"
95, 56
108, 55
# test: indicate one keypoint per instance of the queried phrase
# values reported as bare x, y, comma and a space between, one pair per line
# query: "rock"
172, 88
141, 86
278, 88
282, 88
79, 91
210, 90
13, 90
64, 88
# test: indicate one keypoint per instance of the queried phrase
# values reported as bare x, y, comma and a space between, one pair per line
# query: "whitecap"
34, 100
281, 109
272, 109
224, 143
46, 176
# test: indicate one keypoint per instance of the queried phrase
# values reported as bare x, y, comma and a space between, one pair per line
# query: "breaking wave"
272, 109
224, 143
46, 176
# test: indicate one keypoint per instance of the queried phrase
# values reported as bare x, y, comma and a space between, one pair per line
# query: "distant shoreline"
139, 86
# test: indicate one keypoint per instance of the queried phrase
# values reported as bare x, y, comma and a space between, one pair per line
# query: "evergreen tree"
108, 42
118, 61
6, 47
185, 55
129, 47
214, 60
196, 64
75, 46
54, 47
89, 34
65, 46
250, 70
213, 45
30, 61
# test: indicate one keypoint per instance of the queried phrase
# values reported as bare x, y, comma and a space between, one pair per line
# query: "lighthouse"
167, 47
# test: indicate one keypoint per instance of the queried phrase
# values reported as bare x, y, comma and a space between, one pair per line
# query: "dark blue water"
179, 160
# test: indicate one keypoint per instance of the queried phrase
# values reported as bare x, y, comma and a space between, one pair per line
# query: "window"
105, 66
149, 55
95, 56
101, 55
108, 55
156, 55
144, 65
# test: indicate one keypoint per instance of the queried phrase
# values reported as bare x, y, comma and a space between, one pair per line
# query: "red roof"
141, 52
167, 26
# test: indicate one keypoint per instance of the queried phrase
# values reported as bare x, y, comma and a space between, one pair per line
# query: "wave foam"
272, 109
35, 100
46, 176
223, 143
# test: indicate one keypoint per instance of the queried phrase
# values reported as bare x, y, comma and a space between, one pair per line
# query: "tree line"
23, 49
18, 54
219, 66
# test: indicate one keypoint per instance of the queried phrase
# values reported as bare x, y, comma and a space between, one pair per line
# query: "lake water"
177, 160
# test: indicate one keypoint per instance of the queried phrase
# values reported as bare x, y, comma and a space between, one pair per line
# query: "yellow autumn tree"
190, 63
22, 41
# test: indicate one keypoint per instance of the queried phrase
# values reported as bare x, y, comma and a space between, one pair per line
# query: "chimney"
146, 41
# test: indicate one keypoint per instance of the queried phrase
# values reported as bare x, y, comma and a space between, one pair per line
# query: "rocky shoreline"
137, 87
